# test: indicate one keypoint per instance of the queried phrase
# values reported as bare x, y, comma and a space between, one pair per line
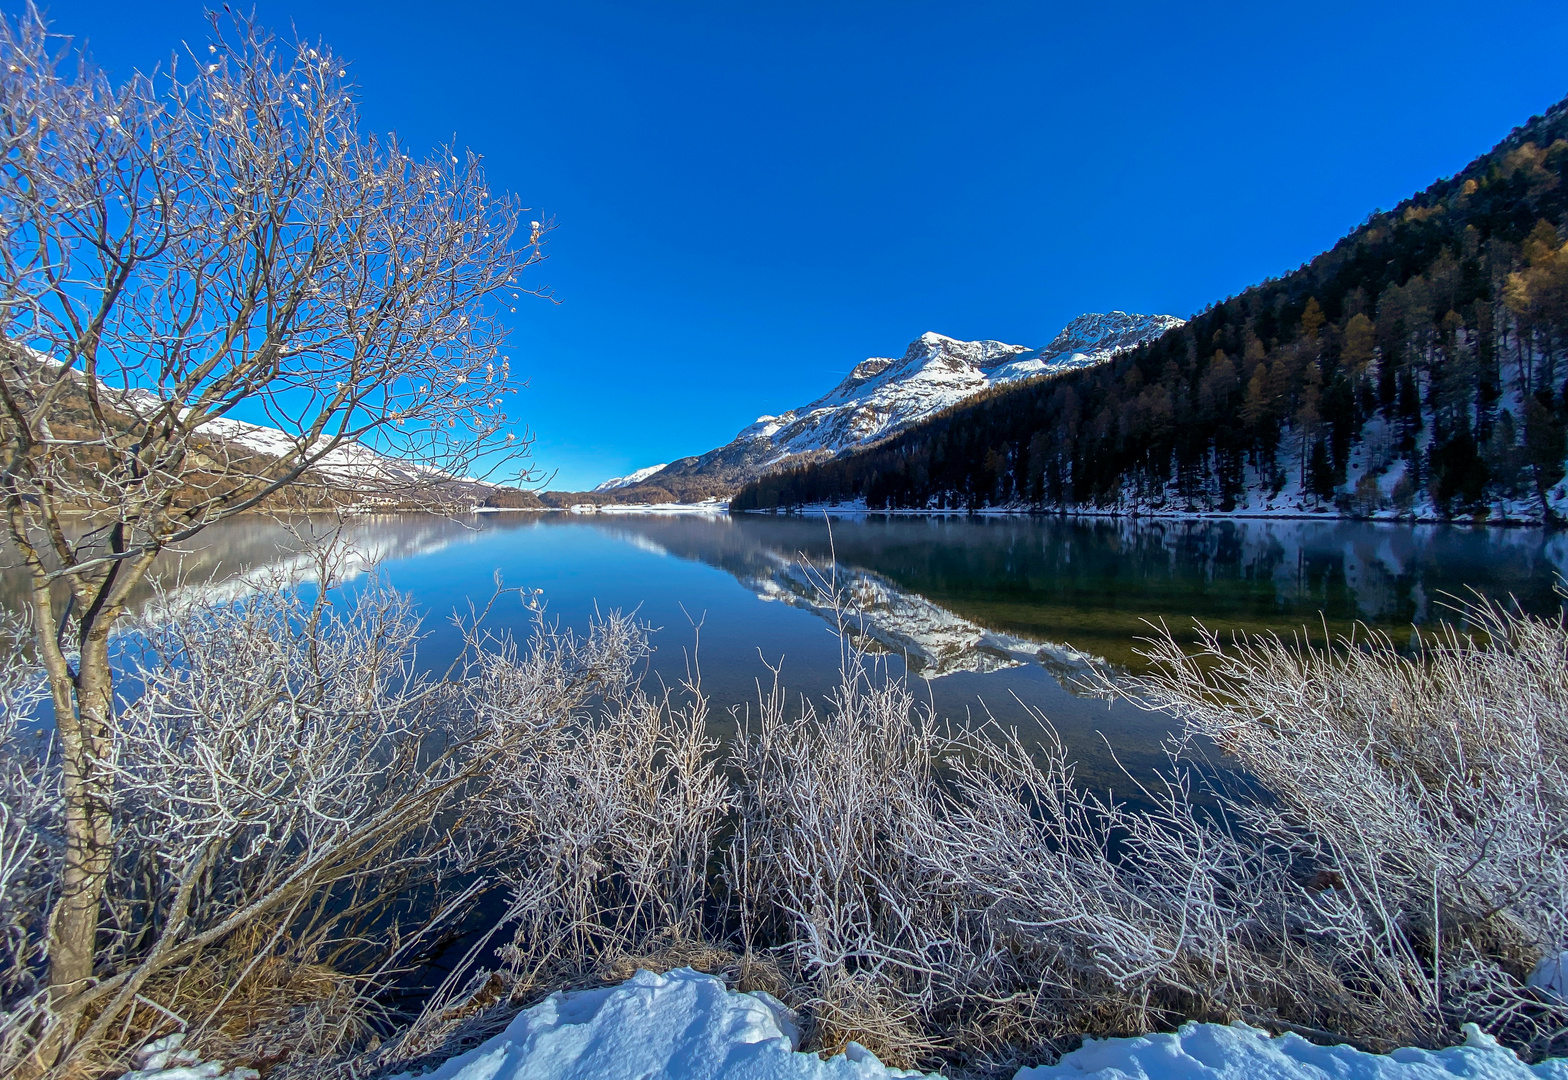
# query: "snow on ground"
1259, 498
166, 1059
1288, 506
1239, 1052
707, 506
689, 1026
678, 1026
684, 1025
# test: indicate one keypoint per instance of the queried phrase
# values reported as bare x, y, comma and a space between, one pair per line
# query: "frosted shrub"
902, 869
1381, 857
29, 847
611, 821
819, 866
302, 815
289, 805
1419, 803
939, 889
600, 820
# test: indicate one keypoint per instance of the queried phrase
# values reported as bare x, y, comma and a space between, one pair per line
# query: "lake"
997, 614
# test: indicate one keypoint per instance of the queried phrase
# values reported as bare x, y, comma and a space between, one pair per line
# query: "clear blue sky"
752, 198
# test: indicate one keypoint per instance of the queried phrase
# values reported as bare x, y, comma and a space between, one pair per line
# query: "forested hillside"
1419, 368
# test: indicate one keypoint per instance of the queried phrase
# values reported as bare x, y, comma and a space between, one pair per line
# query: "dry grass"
255, 1002
871, 1012
247, 1001
697, 955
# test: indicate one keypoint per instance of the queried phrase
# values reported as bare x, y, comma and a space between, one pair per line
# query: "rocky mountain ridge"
631, 479
884, 395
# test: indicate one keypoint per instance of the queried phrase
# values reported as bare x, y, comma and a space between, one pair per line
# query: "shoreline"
842, 510
846, 511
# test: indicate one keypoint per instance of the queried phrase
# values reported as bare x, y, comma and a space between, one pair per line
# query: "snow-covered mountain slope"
631, 479
883, 395
352, 469
350, 466
1088, 340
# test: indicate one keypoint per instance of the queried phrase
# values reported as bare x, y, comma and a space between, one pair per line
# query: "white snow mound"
689, 1026
1239, 1052
680, 1026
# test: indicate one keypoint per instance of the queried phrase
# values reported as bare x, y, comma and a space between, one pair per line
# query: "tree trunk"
1543, 492
83, 702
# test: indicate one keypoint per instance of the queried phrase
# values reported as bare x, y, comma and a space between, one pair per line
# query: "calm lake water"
984, 614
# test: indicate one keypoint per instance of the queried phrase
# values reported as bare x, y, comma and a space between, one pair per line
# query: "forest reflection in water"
994, 615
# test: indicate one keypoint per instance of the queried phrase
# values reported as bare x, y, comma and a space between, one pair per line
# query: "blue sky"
752, 198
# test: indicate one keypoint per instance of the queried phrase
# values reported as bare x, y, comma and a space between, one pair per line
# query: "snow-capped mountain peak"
882, 395
1089, 339
930, 359
631, 479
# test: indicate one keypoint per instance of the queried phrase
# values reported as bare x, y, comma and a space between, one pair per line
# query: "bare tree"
299, 810
186, 254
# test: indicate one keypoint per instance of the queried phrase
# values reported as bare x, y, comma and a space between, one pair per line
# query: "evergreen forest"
1418, 369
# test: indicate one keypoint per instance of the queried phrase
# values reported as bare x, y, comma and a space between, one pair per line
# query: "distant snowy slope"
630, 479
883, 395
351, 464
352, 474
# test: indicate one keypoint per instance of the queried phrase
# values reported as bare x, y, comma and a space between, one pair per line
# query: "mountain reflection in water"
949, 588
993, 614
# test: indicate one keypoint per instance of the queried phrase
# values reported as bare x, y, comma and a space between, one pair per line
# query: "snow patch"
167, 1059
684, 1025
1239, 1052
679, 1026
706, 506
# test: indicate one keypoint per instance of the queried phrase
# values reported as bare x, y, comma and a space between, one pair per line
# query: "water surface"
986, 615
